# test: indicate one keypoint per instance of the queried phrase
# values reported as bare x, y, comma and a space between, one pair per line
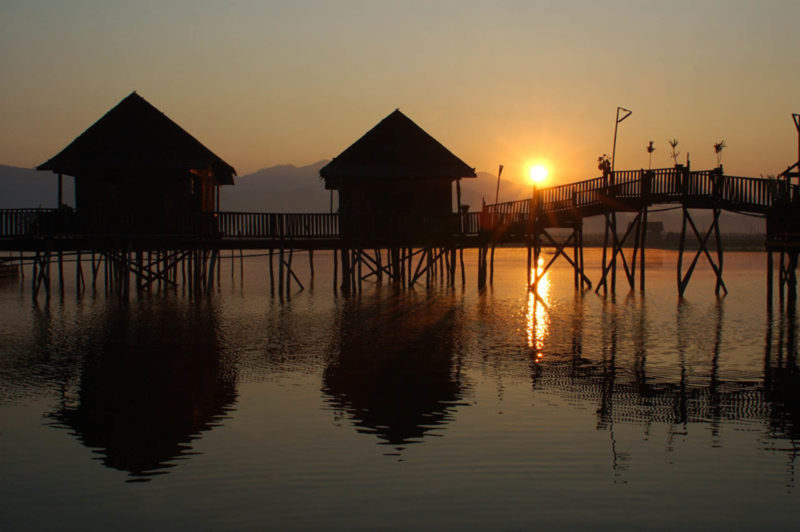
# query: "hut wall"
414, 197
398, 209
141, 204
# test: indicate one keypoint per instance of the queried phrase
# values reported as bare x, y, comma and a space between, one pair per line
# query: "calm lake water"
433, 408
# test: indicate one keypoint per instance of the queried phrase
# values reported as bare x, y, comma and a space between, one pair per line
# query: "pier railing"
617, 191
55, 223
631, 189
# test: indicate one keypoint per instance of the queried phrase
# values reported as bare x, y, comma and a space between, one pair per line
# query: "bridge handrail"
582, 198
663, 185
39, 223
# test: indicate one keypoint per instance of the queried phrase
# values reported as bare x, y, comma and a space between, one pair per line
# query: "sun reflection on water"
537, 318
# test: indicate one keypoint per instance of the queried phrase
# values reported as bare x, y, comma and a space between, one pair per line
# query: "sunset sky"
512, 82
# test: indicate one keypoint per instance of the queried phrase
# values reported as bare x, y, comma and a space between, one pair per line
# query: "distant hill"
283, 188
29, 188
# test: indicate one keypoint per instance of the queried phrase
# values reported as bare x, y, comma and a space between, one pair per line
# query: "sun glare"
538, 173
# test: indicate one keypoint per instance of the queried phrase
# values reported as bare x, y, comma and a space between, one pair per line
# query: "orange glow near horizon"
537, 319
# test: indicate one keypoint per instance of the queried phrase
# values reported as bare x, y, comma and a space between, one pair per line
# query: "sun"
538, 173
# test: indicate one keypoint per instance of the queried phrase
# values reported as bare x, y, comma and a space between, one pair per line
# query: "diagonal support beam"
560, 247
683, 279
617, 245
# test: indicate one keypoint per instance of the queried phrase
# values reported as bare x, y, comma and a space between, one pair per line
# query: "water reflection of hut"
149, 385
393, 370
136, 166
396, 176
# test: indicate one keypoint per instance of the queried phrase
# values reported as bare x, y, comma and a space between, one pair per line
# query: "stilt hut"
395, 183
138, 171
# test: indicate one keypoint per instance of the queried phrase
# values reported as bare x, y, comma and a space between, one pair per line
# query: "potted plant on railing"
718, 147
673, 143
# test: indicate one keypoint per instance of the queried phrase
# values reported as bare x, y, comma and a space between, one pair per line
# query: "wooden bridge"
415, 247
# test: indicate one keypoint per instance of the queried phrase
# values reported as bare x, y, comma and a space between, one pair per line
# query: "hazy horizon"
497, 83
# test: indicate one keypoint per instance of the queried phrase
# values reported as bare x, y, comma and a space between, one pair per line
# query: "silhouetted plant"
650, 150
604, 164
718, 147
674, 145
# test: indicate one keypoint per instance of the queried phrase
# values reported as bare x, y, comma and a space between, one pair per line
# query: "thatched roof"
396, 148
136, 138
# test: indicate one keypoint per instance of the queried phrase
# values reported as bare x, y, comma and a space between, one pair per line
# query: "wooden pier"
148, 215
188, 252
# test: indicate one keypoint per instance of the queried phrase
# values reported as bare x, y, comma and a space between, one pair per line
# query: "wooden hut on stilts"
142, 179
395, 190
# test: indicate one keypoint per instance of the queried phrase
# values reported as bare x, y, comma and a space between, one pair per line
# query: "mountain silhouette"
282, 188
29, 188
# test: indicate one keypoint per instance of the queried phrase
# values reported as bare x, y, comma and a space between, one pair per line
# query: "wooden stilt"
642, 248
614, 254
335, 269
280, 272
605, 252
681, 244
271, 271
345, 256
461, 261
769, 279
61, 273
491, 266
718, 239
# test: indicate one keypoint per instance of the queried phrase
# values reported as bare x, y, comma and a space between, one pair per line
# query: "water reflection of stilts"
782, 384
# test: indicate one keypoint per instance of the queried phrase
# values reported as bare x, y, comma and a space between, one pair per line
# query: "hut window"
191, 186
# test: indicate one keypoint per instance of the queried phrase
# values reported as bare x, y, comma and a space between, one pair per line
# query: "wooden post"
280, 271
335, 269
581, 256
271, 272
614, 252
642, 247
769, 279
605, 248
289, 272
34, 275
719, 251
345, 256
781, 277
528, 274
681, 244
61, 273
360, 260
60, 192
491, 266
575, 276
461, 260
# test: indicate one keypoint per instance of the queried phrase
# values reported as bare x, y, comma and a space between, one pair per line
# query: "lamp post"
613, 221
616, 126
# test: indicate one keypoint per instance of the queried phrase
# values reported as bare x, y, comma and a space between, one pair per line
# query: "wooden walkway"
526, 221
558, 206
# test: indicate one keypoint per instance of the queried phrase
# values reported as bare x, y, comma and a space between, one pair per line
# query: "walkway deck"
558, 206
